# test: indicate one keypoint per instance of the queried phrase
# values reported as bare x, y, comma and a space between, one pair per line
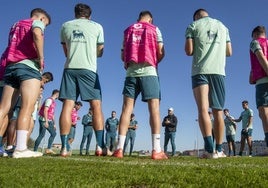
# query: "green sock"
64, 141
208, 144
100, 138
1, 140
219, 147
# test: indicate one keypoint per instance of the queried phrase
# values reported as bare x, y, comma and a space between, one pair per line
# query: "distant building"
144, 153
58, 146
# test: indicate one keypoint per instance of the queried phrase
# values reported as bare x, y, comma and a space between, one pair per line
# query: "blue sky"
172, 17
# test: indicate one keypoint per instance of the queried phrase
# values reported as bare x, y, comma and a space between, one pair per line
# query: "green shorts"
261, 95
15, 113
148, 86
18, 72
230, 138
247, 133
81, 82
216, 85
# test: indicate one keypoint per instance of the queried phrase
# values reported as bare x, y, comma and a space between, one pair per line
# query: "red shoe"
64, 152
118, 153
98, 151
159, 156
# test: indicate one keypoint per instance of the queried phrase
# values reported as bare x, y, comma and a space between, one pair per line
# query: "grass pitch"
92, 171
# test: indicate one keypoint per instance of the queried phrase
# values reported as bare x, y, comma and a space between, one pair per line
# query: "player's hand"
41, 65
46, 124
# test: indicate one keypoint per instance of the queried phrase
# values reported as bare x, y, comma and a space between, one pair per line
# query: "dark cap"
245, 102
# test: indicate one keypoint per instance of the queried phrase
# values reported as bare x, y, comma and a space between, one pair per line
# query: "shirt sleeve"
100, 39
228, 39
189, 32
48, 102
255, 46
38, 24
159, 35
251, 113
62, 39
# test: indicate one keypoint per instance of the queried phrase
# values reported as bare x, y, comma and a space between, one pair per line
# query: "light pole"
197, 129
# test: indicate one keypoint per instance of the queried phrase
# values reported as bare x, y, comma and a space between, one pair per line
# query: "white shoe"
3, 152
220, 154
26, 154
50, 151
109, 153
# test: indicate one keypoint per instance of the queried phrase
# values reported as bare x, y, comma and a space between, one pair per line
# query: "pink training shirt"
21, 44
74, 116
256, 68
140, 44
51, 109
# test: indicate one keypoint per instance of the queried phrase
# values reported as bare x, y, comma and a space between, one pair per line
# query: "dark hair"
145, 13
42, 11
132, 115
226, 110
198, 13
82, 10
55, 91
258, 30
48, 75
78, 103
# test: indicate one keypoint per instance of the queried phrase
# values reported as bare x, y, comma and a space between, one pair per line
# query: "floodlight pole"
197, 138
43, 145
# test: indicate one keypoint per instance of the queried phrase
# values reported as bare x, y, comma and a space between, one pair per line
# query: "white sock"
21, 140
121, 141
156, 142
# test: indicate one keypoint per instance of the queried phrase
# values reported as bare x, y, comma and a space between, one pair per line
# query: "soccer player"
111, 126
87, 131
208, 41
143, 50
83, 41
23, 74
47, 122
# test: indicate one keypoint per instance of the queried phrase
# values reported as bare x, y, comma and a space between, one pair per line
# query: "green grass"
91, 171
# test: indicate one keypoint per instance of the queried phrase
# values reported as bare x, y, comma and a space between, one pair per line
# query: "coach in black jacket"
170, 124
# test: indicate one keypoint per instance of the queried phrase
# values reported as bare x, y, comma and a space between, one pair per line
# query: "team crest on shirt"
211, 35
137, 26
77, 34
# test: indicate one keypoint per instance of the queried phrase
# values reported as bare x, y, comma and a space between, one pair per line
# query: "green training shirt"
209, 54
81, 37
